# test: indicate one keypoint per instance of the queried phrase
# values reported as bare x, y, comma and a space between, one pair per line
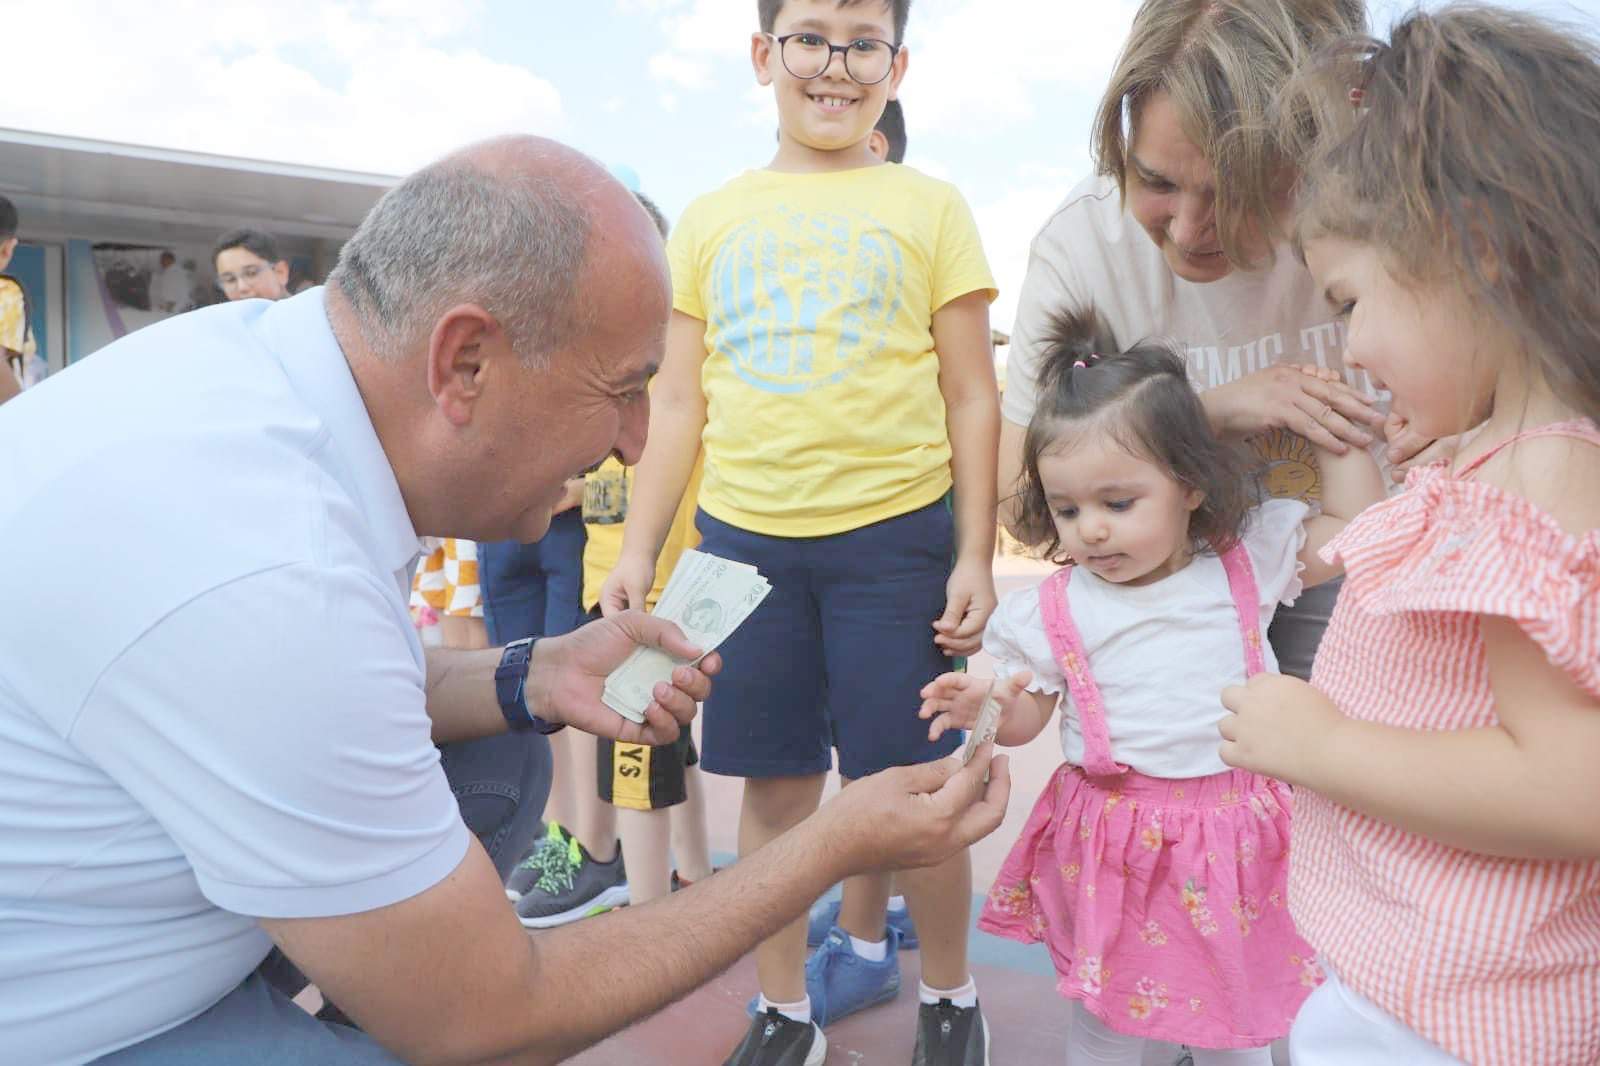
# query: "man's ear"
458, 351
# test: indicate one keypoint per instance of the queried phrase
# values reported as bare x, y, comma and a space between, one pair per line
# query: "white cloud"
382, 85
1008, 222
983, 65
671, 68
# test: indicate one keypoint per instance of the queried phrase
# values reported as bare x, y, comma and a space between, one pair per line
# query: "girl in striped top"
1446, 860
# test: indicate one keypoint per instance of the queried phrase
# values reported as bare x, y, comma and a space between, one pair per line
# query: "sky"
998, 97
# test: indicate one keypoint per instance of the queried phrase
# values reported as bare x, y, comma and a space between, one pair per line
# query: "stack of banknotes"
708, 597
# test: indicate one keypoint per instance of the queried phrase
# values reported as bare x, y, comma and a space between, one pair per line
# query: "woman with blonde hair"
1179, 237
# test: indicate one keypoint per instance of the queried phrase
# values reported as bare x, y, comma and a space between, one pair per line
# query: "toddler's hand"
1278, 727
954, 700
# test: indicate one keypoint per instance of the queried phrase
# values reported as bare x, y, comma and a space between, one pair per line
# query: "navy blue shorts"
836, 655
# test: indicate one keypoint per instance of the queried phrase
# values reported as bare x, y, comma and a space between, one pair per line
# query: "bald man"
219, 735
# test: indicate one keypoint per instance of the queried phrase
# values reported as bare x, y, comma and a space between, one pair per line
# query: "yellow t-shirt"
823, 409
605, 506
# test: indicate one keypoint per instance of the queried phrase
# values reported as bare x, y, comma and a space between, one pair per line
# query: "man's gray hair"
452, 234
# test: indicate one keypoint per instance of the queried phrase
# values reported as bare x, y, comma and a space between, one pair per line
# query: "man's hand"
628, 585
908, 817
568, 675
969, 601
1317, 405
1278, 727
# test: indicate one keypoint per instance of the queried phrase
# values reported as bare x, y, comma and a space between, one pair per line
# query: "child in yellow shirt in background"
657, 791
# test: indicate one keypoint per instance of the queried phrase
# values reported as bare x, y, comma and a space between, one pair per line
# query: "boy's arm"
1351, 483
972, 418
677, 418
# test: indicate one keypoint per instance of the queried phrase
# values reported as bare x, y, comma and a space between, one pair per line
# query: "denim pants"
501, 784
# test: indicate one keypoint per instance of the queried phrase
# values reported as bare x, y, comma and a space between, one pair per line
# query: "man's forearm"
599, 976
460, 692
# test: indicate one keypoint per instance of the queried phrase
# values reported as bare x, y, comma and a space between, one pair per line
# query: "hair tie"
1081, 365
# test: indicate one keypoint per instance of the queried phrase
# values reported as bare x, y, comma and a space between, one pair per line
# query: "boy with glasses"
248, 266
829, 345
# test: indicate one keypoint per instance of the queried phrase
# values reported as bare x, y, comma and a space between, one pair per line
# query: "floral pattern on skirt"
1162, 904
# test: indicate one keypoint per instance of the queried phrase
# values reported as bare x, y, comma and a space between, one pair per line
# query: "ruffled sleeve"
1015, 639
1274, 537
1462, 546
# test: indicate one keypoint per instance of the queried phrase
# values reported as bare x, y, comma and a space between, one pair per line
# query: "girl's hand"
1278, 727
954, 700
1409, 449
969, 601
1315, 403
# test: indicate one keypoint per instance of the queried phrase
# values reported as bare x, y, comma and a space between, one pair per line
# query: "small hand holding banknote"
567, 678
979, 704
707, 597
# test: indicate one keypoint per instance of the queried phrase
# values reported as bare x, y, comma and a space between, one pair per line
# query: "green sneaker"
570, 885
531, 868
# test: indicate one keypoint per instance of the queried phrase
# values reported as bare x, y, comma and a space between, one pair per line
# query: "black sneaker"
948, 1035
572, 885
531, 866
774, 1039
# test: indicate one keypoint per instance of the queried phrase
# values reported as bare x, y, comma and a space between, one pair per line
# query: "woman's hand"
1311, 401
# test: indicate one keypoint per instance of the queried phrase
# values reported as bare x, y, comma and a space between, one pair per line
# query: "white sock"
799, 1011
872, 951
966, 996
897, 904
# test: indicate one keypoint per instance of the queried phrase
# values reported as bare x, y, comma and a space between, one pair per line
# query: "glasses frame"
841, 49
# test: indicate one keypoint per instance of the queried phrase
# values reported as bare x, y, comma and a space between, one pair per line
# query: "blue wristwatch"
510, 686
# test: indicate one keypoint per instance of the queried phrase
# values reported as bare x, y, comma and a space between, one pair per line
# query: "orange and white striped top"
1495, 960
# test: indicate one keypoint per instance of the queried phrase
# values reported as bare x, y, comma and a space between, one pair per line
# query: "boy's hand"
628, 585
969, 601
1279, 727
954, 700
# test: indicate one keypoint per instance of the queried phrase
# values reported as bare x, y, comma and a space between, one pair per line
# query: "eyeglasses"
249, 273
806, 55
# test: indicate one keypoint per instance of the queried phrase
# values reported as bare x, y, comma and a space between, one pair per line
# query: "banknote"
708, 597
984, 729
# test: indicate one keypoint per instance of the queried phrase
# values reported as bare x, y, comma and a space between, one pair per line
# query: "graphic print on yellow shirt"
823, 409
605, 509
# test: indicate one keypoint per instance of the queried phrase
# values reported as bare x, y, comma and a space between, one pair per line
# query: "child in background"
1447, 849
656, 792
1153, 873
830, 350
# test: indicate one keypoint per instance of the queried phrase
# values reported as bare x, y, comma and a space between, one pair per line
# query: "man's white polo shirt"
211, 693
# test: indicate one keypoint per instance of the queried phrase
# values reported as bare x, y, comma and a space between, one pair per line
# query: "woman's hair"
1143, 398
1222, 62
1464, 150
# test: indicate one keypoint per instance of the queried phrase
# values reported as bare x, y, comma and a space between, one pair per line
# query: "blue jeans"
501, 784
534, 590
255, 1025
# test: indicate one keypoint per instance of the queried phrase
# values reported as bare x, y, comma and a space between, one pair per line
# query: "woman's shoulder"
1091, 212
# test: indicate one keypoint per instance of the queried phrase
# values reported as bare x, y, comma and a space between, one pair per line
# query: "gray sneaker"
531, 866
775, 1039
570, 885
948, 1035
